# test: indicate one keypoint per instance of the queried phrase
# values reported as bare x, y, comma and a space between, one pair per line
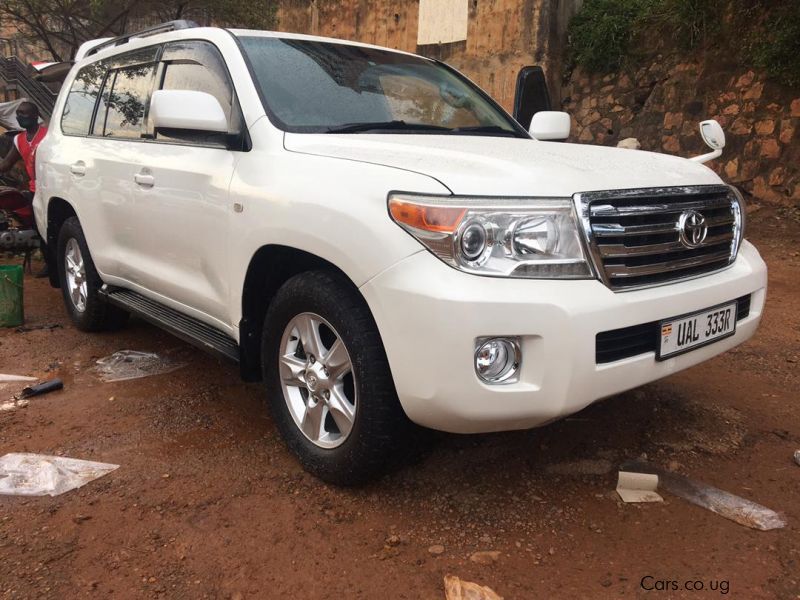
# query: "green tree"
61, 26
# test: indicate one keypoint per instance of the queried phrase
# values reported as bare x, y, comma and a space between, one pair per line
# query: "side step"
186, 328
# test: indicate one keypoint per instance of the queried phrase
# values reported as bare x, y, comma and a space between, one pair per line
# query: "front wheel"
80, 282
329, 386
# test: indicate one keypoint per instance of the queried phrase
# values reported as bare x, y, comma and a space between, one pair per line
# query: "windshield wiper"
384, 126
485, 129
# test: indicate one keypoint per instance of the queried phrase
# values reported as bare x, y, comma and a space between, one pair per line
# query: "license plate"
685, 333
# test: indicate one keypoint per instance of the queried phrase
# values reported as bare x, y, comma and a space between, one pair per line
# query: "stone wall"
503, 35
662, 104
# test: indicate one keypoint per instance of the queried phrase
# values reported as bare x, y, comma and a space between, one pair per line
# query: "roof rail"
160, 28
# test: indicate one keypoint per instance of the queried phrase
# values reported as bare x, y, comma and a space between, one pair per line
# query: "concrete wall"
503, 35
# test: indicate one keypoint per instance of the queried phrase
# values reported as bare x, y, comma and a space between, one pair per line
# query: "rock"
765, 127
746, 80
754, 93
485, 539
673, 120
787, 131
586, 135
777, 176
749, 169
731, 109
795, 108
763, 191
486, 557
393, 540
797, 457
592, 117
630, 143
770, 149
732, 168
436, 549
670, 143
742, 126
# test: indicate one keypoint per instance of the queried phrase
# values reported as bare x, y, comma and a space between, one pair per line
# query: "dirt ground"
207, 503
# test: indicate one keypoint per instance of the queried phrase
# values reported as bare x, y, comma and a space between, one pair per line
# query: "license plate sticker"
682, 334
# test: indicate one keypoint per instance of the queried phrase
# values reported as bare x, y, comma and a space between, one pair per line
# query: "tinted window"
77, 116
195, 65
126, 95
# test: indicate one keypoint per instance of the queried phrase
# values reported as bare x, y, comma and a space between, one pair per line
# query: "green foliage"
693, 21
776, 48
600, 34
60, 27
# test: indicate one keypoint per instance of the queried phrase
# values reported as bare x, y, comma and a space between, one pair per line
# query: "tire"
379, 427
86, 308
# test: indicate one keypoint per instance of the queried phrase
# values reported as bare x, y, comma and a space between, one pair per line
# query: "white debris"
13, 404
638, 487
629, 144
39, 475
10, 378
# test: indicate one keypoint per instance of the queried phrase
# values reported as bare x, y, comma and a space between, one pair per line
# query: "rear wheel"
329, 386
80, 283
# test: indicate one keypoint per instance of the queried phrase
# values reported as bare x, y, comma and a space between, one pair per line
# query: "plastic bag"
132, 364
39, 475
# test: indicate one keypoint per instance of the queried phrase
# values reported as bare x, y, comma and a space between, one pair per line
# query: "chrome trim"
619, 250
617, 230
621, 271
585, 210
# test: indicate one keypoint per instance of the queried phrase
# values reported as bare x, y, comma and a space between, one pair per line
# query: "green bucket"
11, 314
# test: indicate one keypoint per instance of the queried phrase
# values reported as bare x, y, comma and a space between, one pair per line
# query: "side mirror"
714, 137
712, 134
550, 125
532, 94
187, 109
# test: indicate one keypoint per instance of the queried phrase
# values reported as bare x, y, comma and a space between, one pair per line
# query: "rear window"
77, 115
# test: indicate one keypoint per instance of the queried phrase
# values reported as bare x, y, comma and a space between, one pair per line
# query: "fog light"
497, 360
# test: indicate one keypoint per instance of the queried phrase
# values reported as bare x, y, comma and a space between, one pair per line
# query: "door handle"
78, 168
144, 179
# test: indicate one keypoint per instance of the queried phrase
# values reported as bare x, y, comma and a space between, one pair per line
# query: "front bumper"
429, 316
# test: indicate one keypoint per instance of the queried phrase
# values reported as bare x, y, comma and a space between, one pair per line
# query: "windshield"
323, 87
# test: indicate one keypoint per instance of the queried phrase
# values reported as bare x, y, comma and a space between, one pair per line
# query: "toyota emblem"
692, 229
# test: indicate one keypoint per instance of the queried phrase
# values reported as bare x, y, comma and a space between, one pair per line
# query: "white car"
374, 237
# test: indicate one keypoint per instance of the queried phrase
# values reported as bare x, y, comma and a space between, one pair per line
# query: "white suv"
372, 235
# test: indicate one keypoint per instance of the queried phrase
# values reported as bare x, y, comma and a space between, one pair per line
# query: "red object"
15, 202
27, 150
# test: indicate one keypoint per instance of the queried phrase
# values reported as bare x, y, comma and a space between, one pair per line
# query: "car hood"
498, 166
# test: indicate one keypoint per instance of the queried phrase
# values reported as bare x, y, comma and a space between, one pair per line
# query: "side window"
196, 65
76, 119
124, 102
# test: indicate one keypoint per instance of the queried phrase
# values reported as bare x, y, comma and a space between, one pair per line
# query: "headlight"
517, 237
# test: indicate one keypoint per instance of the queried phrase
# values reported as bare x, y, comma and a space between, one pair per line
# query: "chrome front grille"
640, 238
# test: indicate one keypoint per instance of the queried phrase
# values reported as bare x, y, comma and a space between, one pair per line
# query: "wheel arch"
269, 268
58, 211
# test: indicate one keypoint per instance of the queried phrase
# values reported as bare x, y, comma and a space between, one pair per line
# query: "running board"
186, 328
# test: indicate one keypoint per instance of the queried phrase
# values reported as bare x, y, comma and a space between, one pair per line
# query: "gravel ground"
207, 502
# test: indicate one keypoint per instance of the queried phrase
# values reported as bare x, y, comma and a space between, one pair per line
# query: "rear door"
116, 151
